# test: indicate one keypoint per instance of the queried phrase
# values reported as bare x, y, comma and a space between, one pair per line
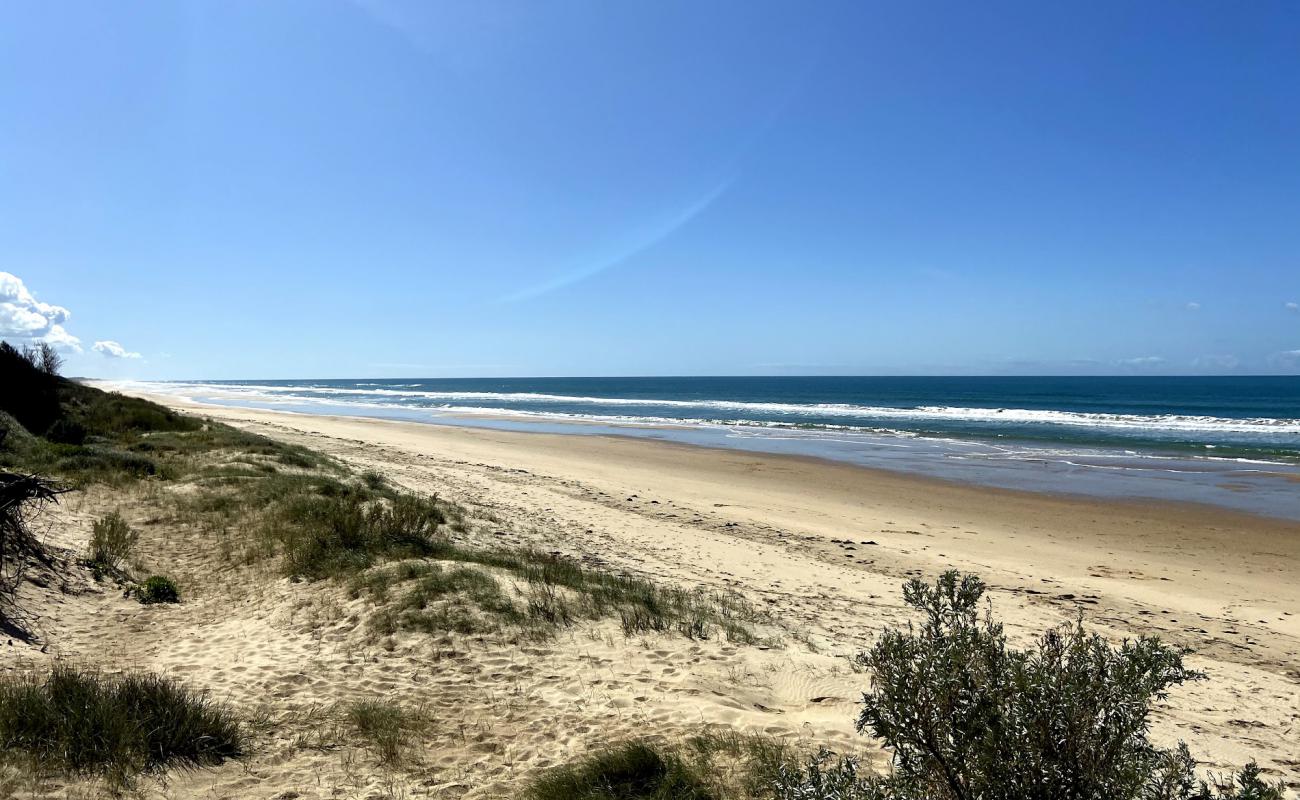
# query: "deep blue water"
1227, 440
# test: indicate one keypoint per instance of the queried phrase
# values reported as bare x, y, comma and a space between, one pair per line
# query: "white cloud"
1142, 361
22, 316
1193, 306
1217, 362
1287, 358
112, 349
1292, 307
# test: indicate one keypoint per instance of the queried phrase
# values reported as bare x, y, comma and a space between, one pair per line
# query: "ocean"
1228, 441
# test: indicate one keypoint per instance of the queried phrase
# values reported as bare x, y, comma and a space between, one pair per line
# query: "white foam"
518, 402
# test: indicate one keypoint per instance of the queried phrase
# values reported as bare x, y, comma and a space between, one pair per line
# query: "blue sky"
383, 188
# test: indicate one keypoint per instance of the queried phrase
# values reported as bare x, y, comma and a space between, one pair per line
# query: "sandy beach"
824, 547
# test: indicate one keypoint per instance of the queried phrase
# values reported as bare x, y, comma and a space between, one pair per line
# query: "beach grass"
87, 722
386, 727
635, 770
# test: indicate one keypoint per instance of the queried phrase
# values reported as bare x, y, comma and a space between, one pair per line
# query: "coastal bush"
825, 776
111, 543
630, 771
968, 717
30, 382
13, 436
66, 431
158, 589
90, 723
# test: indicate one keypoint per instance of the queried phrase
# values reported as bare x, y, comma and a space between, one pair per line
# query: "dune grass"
91, 723
411, 555
434, 595
387, 728
713, 764
630, 771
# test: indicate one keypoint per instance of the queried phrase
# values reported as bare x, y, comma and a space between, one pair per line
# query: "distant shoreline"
1251, 486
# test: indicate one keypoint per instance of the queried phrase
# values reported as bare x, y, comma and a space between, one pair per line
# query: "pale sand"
771, 527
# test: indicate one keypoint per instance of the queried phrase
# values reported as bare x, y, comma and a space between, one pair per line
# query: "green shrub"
631, 771
66, 431
30, 392
158, 589
967, 717
13, 436
89, 723
826, 776
111, 543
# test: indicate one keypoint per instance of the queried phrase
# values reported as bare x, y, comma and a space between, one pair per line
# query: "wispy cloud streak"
641, 241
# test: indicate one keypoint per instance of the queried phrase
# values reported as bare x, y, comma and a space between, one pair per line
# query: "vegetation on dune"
556, 592
966, 716
157, 589
713, 764
30, 378
629, 771
57, 427
112, 726
386, 727
111, 544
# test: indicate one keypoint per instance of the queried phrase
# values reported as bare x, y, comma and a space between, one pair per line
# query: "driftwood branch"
21, 498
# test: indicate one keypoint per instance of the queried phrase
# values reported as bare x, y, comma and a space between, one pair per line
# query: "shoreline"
878, 474
1255, 488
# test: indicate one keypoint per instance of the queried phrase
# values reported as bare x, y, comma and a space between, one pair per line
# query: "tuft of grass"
334, 536
114, 726
111, 543
634, 770
385, 726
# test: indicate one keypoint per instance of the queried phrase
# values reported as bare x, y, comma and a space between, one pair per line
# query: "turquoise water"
1231, 441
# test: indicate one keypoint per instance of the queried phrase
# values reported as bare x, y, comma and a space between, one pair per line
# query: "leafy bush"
89, 723
111, 543
30, 390
13, 435
631, 771
825, 777
968, 717
66, 431
158, 589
